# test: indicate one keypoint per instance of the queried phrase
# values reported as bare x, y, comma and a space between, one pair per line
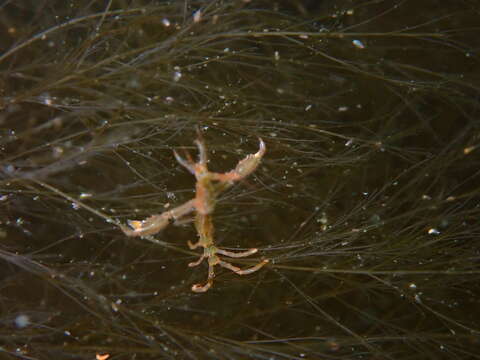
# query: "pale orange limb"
193, 246
253, 268
156, 223
199, 288
189, 165
244, 168
202, 152
239, 271
198, 262
149, 226
236, 254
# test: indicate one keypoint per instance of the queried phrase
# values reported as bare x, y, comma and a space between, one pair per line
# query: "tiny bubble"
22, 321
358, 44
177, 75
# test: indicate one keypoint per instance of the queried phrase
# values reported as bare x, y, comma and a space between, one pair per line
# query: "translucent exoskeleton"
208, 187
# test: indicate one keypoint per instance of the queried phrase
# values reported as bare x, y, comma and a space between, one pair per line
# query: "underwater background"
366, 202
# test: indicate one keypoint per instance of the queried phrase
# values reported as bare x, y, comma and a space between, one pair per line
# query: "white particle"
57, 151
177, 75
47, 100
197, 16
166, 22
358, 44
22, 321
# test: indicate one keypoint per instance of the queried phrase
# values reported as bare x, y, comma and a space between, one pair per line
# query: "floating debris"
85, 195
469, 149
197, 16
22, 321
358, 44
166, 22
177, 75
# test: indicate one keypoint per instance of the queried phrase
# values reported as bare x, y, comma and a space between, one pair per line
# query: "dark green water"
366, 202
